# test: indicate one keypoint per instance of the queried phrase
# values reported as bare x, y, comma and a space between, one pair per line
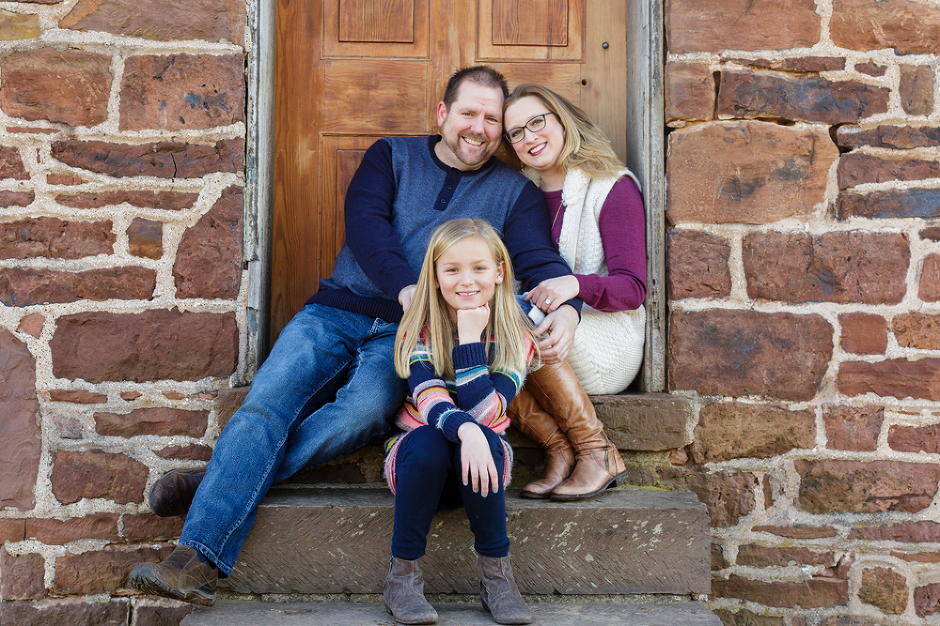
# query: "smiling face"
470, 127
467, 274
539, 150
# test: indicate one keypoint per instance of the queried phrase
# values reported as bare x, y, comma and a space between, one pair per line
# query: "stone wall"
804, 285
122, 148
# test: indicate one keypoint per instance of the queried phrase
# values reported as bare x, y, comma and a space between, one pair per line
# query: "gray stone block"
321, 541
353, 614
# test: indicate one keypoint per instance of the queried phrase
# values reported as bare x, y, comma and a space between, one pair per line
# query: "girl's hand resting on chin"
471, 323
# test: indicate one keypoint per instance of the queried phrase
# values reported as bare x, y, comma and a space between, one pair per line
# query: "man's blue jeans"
328, 388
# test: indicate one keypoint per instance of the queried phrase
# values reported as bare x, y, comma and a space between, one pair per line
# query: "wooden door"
351, 71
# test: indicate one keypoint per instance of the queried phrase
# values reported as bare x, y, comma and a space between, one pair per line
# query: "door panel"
351, 71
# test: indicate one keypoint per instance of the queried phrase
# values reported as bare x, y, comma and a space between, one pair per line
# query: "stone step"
337, 540
635, 423
236, 613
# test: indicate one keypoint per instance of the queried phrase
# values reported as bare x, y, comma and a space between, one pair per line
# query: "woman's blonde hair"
586, 146
509, 330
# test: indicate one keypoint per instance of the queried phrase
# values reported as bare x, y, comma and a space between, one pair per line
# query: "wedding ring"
547, 301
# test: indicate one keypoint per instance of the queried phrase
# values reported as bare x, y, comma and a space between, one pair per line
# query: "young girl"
464, 345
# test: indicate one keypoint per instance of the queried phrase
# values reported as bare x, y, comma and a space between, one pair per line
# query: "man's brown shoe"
173, 492
182, 576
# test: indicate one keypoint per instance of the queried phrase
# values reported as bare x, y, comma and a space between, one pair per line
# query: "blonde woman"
598, 225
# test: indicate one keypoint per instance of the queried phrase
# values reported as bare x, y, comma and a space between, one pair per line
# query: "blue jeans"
428, 472
328, 388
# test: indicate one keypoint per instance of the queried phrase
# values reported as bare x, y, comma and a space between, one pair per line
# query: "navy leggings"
428, 473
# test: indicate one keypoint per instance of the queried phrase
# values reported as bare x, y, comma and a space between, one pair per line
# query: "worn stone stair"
318, 552
455, 614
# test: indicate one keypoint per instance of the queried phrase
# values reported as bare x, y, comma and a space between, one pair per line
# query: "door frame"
646, 156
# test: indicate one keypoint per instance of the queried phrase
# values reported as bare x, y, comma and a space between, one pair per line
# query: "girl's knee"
425, 449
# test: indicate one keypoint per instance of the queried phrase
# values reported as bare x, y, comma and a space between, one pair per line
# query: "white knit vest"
608, 347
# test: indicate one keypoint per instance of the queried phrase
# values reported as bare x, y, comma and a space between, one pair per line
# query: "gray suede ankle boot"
499, 593
404, 594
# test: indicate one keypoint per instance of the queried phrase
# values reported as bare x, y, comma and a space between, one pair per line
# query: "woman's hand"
554, 292
471, 323
476, 460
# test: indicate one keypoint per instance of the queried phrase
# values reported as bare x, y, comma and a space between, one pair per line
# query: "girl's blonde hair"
586, 146
509, 330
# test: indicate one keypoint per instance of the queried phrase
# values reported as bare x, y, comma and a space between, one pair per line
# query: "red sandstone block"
801, 65
866, 487
73, 612
165, 200
811, 594
927, 600
182, 91
163, 160
746, 172
797, 532
916, 89
211, 20
908, 532
917, 330
32, 324
55, 238
697, 265
930, 233
150, 615
729, 496
11, 164
907, 27
97, 474
145, 238
726, 352
853, 428
900, 137
16, 198
755, 555
79, 396
690, 92
885, 589
737, 430
902, 203
872, 69
102, 571
59, 532
915, 438
192, 453
25, 287
209, 257
899, 378
809, 99
139, 528
864, 333
857, 169
160, 421
711, 25
843, 267
743, 617
22, 576
152, 345
21, 446
929, 290
69, 87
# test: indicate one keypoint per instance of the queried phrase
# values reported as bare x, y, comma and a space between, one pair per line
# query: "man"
329, 385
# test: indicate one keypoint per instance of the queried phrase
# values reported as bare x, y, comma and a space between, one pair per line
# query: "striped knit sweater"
475, 394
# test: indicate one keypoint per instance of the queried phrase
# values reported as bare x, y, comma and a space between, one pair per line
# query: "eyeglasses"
535, 124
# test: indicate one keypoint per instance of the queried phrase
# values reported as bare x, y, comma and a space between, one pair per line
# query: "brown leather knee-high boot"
528, 416
597, 460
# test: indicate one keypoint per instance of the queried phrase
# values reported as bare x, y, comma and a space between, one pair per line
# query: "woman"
598, 225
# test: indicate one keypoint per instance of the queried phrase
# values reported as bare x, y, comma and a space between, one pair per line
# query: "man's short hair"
480, 74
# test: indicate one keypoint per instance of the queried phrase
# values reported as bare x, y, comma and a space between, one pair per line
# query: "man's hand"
560, 326
476, 461
405, 296
554, 292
